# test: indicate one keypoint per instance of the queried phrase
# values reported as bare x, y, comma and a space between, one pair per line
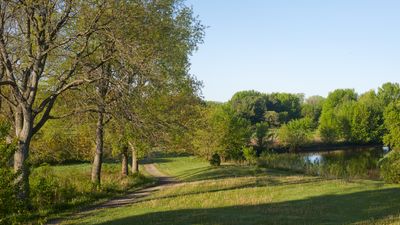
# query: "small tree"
296, 133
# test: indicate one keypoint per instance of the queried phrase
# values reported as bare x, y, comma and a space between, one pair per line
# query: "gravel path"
163, 181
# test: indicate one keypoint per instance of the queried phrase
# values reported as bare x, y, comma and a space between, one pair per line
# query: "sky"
296, 46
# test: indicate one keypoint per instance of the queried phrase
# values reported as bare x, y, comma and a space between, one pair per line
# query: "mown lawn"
247, 195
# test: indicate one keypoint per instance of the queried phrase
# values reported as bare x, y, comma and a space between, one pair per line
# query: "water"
357, 162
370, 153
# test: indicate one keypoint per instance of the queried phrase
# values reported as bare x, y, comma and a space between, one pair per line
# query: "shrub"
249, 154
9, 203
390, 167
215, 160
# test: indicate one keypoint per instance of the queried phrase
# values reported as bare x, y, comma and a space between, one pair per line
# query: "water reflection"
373, 154
355, 162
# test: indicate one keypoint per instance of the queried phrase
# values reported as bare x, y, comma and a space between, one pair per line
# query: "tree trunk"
98, 158
20, 167
125, 171
135, 163
23, 131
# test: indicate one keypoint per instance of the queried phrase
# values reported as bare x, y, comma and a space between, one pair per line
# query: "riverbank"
321, 147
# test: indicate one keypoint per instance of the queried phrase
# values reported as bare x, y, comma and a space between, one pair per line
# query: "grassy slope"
246, 195
80, 191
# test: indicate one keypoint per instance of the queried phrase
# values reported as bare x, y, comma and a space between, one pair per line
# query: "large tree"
334, 122
42, 46
146, 82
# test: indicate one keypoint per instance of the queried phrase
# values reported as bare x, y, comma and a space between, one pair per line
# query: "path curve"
163, 181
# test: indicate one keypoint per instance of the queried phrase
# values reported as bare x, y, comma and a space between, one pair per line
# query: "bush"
215, 160
390, 167
249, 154
9, 204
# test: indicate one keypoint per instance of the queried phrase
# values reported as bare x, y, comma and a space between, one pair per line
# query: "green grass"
181, 167
247, 195
58, 190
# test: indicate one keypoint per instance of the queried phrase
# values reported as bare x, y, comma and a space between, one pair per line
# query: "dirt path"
163, 181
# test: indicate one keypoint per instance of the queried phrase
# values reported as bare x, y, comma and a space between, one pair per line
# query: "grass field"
61, 189
247, 195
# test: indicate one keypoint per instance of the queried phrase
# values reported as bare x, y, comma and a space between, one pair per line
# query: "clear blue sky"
297, 46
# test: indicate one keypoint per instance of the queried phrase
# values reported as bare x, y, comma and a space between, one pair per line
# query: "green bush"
9, 204
296, 133
215, 160
390, 167
249, 154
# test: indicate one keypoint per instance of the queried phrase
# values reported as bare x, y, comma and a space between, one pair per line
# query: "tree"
389, 92
42, 46
367, 119
334, 122
161, 95
272, 118
205, 142
148, 45
296, 133
223, 132
392, 124
286, 104
312, 108
262, 136
250, 105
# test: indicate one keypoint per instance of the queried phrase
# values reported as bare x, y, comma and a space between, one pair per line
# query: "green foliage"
392, 124
64, 140
344, 115
46, 189
289, 105
389, 92
367, 120
56, 188
10, 206
334, 123
233, 133
250, 105
273, 118
390, 167
262, 135
312, 108
249, 154
205, 142
296, 133
215, 160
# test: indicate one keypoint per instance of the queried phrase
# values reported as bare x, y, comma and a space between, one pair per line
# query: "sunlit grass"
71, 188
247, 195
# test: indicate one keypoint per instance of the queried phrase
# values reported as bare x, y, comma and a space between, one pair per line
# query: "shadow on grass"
229, 171
328, 209
263, 182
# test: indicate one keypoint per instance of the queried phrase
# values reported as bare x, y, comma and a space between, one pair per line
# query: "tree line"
86, 75
264, 122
